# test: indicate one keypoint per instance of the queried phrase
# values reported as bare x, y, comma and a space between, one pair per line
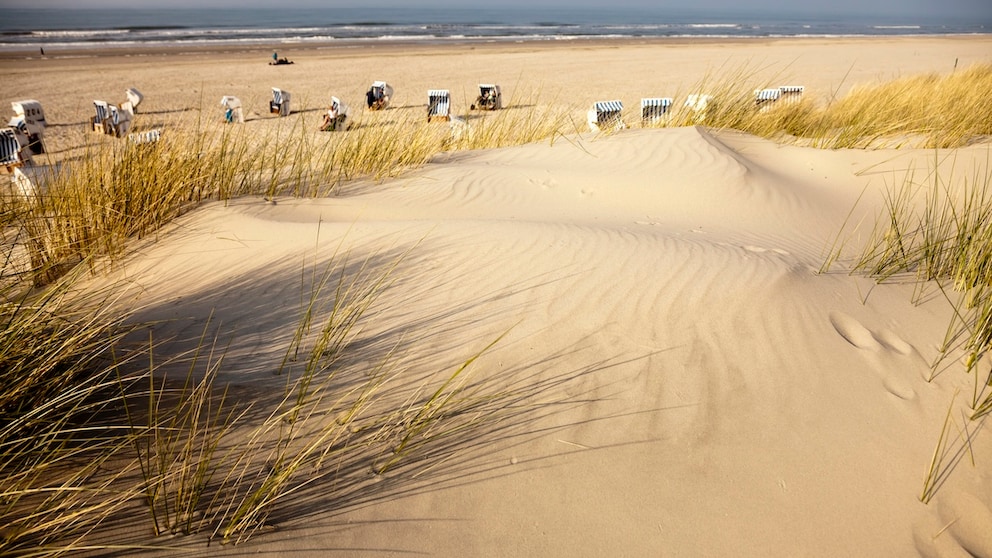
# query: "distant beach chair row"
377, 98
607, 115
117, 120
789, 94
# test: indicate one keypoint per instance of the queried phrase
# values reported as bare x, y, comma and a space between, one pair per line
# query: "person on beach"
275, 56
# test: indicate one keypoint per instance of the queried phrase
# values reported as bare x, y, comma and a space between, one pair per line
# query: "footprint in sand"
855, 333
884, 342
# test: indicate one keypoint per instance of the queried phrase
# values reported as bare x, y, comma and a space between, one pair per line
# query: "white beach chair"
438, 104
379, 95
133, 99
280, 102
655, 109
232, 109
337, 116
791, 94
33, 116
490, 97
101, 121
698, 104
606, 116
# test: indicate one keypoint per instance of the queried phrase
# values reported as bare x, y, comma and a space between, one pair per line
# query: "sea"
34, 29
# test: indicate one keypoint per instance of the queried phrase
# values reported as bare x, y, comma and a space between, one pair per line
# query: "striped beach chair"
791, 94
764, 98
655, 109
232, 109
378, 95
101, 121
119, 121
142, 138
12, 153
280, 102
490, 97
606, 116
438, 104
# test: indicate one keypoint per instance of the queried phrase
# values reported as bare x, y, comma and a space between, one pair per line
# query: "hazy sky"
975, 8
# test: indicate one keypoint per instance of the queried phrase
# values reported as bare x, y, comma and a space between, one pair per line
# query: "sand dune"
713, 394
689, 383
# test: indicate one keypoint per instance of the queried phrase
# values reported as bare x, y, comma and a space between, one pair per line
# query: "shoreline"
414, 46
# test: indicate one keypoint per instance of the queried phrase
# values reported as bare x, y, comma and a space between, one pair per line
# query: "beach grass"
64, 367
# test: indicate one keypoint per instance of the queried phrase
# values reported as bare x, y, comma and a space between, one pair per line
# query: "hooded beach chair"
490, 97
141, 138
12, 153
28, 142
438, 104
280, 102
698, 104
101, 121
791, 93
378, 96
29, 119
606, 116
33, 115
133, 99
654, 109
119, 121
336, 117
765, 98
232, 109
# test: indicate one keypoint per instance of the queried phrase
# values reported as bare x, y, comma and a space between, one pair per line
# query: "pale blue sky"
976, 8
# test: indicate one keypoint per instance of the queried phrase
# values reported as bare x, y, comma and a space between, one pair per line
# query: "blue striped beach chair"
490, 97
101, 122
280, 102
379, 95
764, 98
120, 121
11, 151
438, 104
655, 109
232, 109
606, 116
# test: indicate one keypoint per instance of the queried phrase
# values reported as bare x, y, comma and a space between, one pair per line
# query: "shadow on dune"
498, 408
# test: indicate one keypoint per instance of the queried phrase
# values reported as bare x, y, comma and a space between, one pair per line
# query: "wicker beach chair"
133, 98
101, 121
490, 97
438, 104
378, 95
12, 153
791, 94
119, 121
655, 109
233, 112
698, 105
606, 116
146, 137
280, 102
765, 98
337, 117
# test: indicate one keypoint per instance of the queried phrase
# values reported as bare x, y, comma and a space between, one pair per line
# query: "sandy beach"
684, 380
